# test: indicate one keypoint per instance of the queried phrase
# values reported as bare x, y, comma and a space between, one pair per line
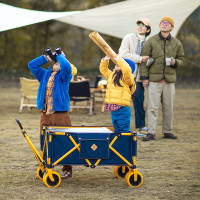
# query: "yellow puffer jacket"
115, 94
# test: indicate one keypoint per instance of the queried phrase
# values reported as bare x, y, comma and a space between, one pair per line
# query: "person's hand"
45, 57
48, 58
63, 53
145, 82
172, 61
116, 57
106, 58
144, 59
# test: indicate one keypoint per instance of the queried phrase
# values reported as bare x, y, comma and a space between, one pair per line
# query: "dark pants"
56, 119
138, 102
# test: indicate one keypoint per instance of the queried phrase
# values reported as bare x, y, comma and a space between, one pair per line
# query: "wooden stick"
101, 43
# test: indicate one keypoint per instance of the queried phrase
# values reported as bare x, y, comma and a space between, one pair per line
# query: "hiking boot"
143, 130
149, 137
65, 175
169, 136
66, 172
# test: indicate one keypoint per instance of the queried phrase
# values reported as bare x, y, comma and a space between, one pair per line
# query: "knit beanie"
131, 64
169, 19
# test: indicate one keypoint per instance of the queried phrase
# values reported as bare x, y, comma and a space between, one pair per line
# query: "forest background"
21, 45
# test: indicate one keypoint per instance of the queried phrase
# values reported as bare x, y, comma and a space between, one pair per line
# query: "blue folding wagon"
86, 145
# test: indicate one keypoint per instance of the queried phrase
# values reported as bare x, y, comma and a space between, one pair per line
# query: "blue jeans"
121, 119
138, 102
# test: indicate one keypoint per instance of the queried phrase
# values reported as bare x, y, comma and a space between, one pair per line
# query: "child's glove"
106, 58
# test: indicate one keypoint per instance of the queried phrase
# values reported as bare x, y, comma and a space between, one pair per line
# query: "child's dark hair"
117, 78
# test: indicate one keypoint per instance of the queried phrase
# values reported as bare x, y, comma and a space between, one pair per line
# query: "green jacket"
159, 48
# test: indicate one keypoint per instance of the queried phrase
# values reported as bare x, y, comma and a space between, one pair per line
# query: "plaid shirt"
112, 107
48, 103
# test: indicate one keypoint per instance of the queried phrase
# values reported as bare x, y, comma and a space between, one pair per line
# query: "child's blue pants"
121, 119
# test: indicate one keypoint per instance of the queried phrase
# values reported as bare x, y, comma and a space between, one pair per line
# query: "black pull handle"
19, 123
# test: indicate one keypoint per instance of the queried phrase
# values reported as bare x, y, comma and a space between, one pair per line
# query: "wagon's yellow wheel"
120, 171
40, 172
130, 179
52, 179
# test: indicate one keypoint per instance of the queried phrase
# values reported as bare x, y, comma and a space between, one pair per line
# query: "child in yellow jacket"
120, 87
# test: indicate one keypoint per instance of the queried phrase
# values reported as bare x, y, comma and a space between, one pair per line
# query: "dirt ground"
170, 168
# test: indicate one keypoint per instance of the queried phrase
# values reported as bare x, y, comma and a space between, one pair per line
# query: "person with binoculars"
53, 97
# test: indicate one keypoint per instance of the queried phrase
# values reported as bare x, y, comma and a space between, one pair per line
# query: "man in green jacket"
160, 77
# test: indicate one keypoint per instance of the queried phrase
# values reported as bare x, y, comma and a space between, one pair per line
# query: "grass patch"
170, 168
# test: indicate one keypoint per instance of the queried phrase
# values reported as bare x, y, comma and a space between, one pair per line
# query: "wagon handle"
19, 123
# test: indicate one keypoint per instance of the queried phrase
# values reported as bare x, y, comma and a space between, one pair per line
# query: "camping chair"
29, 88
79, 91
98, 78
79, 78
98, 93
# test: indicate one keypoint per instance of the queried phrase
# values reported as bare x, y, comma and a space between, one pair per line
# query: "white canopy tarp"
115, 19
120, 18
12, 17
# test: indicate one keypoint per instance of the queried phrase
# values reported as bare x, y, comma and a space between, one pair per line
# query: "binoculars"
53, 55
